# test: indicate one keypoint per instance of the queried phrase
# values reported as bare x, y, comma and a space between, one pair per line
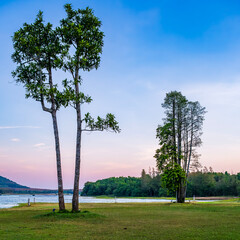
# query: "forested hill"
9, 187
6, 183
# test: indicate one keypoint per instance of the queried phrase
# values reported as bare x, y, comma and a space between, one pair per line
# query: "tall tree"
38, 52
81, 31
178, 138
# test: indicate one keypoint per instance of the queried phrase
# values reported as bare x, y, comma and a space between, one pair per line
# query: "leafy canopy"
38, 50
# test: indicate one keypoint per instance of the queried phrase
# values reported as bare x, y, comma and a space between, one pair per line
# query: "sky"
150, 48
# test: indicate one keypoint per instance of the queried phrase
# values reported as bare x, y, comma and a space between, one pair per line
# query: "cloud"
15, 140
14, 127
39, 145
220, 93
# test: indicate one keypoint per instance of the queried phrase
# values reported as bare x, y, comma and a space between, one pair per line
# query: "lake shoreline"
9, 201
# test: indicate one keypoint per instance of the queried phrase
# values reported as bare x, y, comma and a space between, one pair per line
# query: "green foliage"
172, 177
109, 123
178, 136
167, 152
71, 96
213, 184
80, 31
200, 184
149, 185
121, 186
37, 51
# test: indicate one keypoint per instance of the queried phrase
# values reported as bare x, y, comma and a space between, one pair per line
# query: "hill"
7, 186
6, 183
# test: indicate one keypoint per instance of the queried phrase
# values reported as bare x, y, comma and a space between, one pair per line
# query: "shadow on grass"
70, 215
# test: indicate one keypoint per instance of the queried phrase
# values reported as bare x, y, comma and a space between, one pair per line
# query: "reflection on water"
7, 201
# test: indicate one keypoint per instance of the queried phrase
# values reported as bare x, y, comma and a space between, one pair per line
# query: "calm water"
7, 201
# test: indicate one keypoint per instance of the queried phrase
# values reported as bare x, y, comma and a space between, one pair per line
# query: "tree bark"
179, 133
75, 200
190, 152
181, 192
59, 168
173, 129
57, 145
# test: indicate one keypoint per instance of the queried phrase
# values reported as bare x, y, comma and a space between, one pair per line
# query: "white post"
29, 202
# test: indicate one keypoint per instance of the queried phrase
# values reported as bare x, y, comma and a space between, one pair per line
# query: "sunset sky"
150, 48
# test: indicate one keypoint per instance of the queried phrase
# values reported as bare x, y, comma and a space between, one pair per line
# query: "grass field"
124, 221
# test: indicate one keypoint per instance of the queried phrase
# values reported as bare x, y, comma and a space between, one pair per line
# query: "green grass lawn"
123, 221
113, 197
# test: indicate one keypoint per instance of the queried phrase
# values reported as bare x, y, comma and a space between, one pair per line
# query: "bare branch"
92, 130
97, 130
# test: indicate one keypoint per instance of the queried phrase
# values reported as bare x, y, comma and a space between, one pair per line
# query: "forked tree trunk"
75, 200
59, 168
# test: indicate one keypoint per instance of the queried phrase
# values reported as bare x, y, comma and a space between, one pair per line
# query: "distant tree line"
201, 183
213, 184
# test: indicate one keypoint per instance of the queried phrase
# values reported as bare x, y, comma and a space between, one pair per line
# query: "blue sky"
150, 48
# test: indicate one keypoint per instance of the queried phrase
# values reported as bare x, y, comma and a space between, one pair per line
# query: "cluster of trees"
213, 184
179, 136
200, 183
121, 186
74, 46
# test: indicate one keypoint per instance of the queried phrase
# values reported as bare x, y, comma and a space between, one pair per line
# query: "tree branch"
92, 130
97, 130
43, 106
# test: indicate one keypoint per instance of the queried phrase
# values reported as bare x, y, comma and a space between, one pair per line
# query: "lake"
7, 201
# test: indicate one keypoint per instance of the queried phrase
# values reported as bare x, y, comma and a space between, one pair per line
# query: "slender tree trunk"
75, 200
190, 153
57, 145
185, 146
58, 158
187, 149
179, 132
174, 130
53, 112
190, 150
181, 189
